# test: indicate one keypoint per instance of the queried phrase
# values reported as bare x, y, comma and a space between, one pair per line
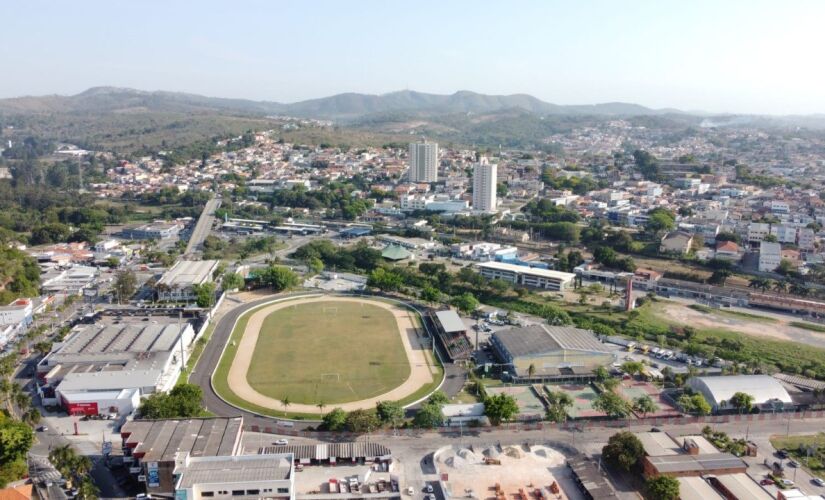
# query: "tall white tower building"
423, 161
485, 177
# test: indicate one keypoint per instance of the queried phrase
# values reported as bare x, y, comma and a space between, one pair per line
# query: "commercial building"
768, 393
739, 487
545, 279
14, 319
153, 231
423, 162
687, 456
159, 451
485, 178
88, 372
770, 255
550, 352
676, 242
332, 453
178, 283
245, 477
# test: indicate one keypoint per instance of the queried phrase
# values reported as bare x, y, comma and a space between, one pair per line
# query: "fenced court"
528, 403
582, 395
631, 389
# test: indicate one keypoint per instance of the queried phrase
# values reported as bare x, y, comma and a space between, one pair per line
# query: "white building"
238, 476
805, 239
784, 233
178, 283
767, 391
18, 313
485, 176
423, 162
770, 255
757, 231
527, 276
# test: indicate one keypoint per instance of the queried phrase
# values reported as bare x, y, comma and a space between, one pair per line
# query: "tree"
390, 412
623, 451
694, 403
785, 267
125, 284
500, 408
531, 370
385, 280
429, 416
430, 294
335, 420
743, 402
279, 278
633, 367
439, 398
87, 490
466, 302
315, 265
232, 281
559, 403
286, 402
662, 488
612, 405
660, 220
770, 238
610, 384
183, 401
360, 421
204, 294
601, 374
644, 405
719, 277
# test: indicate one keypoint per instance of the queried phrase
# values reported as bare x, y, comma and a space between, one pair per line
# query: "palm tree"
531, 370
87, 490
321, 405
286, 402
780, 287
610, 384
32, 417
82, 465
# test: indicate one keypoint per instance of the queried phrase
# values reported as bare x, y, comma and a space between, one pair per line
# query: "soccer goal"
331, 377
330, 310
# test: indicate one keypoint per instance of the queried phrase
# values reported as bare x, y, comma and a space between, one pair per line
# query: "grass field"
808, 326
330, 352
815, 461
735, 314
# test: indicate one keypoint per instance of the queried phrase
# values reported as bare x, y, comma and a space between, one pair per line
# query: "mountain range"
341, 107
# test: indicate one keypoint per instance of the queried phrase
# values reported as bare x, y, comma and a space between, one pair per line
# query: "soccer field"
328, 352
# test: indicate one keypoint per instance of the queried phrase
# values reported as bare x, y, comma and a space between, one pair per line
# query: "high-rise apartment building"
423, 162
485, 175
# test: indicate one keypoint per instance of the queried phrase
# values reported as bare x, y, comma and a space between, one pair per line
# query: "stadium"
308, 354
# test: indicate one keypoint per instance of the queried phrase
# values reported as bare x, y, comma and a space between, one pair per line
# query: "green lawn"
815, 462
736, 314
331, 352
808, 326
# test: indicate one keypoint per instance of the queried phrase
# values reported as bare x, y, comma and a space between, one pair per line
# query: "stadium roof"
763, 388
540, 339
450, 321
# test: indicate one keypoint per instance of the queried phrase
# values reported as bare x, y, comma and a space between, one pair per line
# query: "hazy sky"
722, 55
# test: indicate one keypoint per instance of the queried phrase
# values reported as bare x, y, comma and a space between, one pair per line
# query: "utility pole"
180, 332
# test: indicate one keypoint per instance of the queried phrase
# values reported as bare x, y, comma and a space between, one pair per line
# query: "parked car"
786, 482
281, 442
793, 463
782, 453
818, 481
42, 428
428, 488
410, 490
766, 482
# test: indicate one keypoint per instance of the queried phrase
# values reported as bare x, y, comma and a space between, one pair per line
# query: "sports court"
528, 403
582, 395
631, 389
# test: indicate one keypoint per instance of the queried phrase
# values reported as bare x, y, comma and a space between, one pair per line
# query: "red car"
766, 482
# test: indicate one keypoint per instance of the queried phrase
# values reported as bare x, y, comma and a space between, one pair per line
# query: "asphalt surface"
208, 362
203, 226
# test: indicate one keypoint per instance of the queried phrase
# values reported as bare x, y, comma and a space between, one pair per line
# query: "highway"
202, 227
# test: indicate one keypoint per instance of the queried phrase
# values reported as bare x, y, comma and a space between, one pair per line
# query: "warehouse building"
332, 453
153, 231
546, 279
768, 393
687, 456
554, 352
179, 282
201, 458
98, 367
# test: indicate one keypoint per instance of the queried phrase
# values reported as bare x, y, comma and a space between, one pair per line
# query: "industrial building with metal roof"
552, 351
545, 279
685, 456
245, 476
331, 452
768, 393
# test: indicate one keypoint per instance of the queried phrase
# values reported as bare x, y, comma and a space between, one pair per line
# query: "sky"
737, 56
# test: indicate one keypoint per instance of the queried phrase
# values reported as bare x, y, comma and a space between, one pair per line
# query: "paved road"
202, 374
203, 226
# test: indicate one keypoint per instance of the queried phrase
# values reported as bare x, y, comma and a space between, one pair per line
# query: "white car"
819, 481
281, 442
410, 490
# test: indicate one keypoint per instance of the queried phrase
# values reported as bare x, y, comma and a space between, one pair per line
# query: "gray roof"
450, 321
160, 440
186, 273
702, 463
325, 451
540, 339
243, 469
